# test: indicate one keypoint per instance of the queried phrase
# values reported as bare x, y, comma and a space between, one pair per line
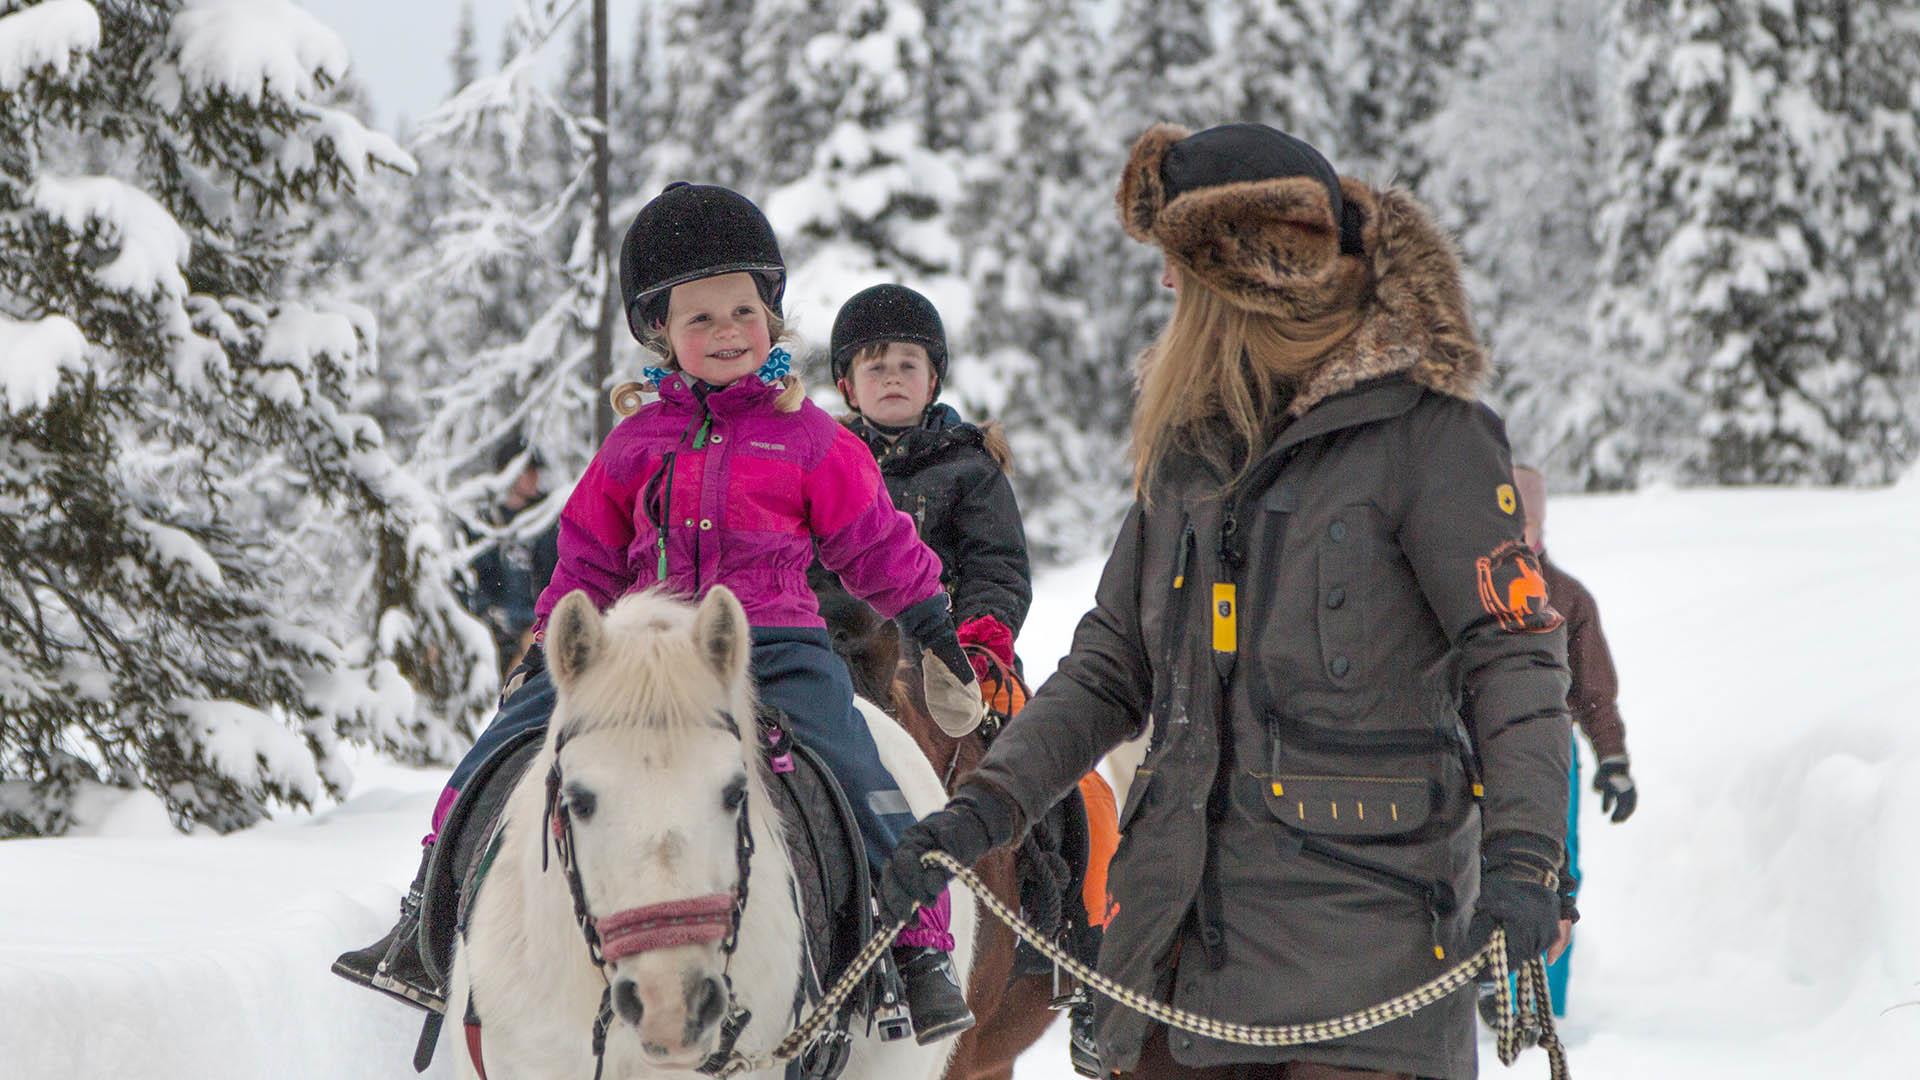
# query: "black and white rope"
1527, 1022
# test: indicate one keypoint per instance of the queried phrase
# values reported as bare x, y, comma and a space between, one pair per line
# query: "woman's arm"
1463, 540
1096, 700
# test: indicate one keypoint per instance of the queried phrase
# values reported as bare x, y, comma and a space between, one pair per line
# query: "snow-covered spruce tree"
1039, 212
1719, 268
175, 424
1518, 156
877, 202
1280, 64
1876, 86
505, 285
775, 113
1394, 61
704, 60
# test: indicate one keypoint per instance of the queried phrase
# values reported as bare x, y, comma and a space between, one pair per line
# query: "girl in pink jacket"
733, 477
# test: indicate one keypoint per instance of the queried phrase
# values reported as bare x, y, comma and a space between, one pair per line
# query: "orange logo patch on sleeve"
1513, 590
1509, 502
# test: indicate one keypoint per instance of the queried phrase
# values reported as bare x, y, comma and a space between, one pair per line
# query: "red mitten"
989, 633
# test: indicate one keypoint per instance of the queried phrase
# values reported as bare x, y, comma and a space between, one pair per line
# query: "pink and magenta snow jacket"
731, 492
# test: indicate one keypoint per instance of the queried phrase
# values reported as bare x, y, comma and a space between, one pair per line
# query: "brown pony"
1012, 1013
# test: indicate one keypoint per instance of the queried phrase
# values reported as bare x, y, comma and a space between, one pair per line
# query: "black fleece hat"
1232, 153
689, 232
887, 313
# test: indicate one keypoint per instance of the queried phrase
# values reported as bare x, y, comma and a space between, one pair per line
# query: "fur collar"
1272, 246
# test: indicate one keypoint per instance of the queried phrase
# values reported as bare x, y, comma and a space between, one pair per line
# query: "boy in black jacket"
889, 353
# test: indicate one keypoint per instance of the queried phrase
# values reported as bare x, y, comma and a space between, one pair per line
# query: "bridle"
698, 920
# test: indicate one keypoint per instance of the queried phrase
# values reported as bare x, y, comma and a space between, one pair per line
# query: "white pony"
656, 750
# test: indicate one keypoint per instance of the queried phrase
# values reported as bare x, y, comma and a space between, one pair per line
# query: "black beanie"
689, 232
1233, 153
887, 313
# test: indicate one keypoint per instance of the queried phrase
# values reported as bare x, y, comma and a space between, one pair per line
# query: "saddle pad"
458, 849
829, 861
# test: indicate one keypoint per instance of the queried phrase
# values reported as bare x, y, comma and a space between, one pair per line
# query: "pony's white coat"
524, 960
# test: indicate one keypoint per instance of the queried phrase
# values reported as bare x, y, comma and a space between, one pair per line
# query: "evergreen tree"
1876, 87
172, 409
507, 285
877, 202
1280, 64
779, 110
1720, 272
1396, 61
1517, 154
706, 58
1038, 216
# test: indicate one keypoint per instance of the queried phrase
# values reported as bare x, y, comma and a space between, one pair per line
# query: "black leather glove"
1615, 785
1519, 893
976, 821
530, 665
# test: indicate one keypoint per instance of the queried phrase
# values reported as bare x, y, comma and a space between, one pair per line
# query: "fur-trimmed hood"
1273, 247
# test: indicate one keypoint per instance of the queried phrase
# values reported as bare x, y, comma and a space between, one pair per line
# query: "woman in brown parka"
1322, 607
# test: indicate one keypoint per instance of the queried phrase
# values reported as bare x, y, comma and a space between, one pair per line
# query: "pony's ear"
720, 632
573, 636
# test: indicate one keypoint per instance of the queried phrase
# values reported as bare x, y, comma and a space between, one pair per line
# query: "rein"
695, 921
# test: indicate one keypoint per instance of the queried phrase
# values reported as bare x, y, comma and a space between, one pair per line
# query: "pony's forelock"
649, 678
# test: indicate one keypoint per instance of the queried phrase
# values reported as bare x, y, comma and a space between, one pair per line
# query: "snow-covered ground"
1757, 918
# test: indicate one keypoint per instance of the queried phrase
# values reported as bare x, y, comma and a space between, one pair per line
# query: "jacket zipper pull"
1433, 918
700, 437
666, 519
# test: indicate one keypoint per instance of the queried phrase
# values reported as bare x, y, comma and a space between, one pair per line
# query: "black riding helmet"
689, 232
886, 313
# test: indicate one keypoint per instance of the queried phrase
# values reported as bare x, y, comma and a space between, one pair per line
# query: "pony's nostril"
626, 1002
706, 1003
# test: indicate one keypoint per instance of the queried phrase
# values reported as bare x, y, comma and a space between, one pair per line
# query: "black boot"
934, 998
392, 965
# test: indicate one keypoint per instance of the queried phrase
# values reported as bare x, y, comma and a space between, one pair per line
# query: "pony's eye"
580, 802
735, 794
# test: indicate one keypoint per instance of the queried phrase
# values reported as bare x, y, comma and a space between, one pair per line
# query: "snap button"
718, 439
1338, 531
705, 524
689, 523
1186, 1042
1339, 667
1336, 596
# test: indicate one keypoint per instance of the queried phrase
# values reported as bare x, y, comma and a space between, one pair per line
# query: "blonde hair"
626, 397
1212, 383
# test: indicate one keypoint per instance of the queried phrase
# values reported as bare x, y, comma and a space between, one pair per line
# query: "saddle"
460, 855
829, 861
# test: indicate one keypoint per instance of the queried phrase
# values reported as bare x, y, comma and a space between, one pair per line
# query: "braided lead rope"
1512, 1030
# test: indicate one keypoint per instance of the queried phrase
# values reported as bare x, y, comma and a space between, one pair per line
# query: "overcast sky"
400, 47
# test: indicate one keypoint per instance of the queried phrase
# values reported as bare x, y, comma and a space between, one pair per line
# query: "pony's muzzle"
676, 1019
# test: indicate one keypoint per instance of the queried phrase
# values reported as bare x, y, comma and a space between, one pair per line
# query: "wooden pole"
602, 233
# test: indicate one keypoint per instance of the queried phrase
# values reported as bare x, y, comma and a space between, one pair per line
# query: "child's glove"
953, 694
988, 633
953, 697
1615, 785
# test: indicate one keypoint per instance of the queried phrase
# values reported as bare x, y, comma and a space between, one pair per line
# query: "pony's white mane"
649, 676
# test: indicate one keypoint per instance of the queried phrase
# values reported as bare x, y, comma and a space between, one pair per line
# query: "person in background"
1592, 701
889, 359
509, 575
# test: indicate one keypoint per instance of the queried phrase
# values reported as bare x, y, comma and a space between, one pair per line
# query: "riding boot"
1083, 1044
393, 965
934, 997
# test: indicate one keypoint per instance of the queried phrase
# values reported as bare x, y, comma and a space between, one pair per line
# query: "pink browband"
697, 921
